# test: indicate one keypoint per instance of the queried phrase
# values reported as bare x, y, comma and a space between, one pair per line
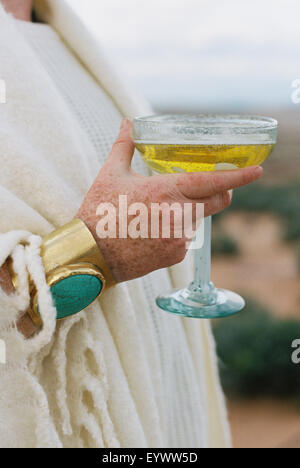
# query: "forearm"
24, 324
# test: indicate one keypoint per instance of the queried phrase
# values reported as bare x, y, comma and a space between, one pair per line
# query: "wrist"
75, 270
105, 246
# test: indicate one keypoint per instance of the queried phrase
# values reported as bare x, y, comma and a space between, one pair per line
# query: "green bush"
298, 257
223, 245
283, 201
255, 354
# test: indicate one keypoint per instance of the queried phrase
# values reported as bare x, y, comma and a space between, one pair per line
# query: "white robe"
94, 380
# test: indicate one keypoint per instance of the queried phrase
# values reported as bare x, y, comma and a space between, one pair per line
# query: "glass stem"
202, 262
201, 287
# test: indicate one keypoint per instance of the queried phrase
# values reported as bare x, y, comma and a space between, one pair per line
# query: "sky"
202, 54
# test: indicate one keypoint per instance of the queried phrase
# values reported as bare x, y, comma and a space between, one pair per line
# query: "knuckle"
190, 180
169, 194
158, 186
121, 141
161, 192
124, 144
193, 178
198, 179
217, 183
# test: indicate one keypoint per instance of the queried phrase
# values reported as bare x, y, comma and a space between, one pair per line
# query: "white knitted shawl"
94, 379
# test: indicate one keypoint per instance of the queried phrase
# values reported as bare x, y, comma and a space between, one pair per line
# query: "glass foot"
217, 303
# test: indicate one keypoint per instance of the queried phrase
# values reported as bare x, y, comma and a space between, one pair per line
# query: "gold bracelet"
75, 269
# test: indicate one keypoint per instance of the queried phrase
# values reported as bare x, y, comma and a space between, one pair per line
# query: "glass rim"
194, 120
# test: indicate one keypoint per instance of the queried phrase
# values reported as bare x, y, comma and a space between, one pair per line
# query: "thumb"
123, 149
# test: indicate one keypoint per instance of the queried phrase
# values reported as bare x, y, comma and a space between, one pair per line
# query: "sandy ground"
266, 270
264, 424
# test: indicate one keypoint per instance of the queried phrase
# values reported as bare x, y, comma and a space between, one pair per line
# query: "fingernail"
230, 194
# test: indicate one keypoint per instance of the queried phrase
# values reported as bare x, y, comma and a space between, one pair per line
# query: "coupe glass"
195, 143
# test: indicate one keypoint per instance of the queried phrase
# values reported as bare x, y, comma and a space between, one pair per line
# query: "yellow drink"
174, 158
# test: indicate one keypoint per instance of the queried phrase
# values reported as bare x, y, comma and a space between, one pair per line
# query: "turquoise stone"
75, 293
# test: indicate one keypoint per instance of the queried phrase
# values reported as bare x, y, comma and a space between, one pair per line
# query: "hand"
132, 258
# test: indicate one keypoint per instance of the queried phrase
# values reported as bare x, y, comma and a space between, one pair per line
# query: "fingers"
217, 203
200, 209
207, 184
123, 149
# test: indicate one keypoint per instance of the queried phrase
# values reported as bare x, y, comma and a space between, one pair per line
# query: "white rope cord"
19, 266
60, 364
24, 248
9, 241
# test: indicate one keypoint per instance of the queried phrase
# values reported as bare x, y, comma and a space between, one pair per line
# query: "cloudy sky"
202, 54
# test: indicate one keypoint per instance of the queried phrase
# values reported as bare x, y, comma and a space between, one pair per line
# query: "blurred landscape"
256, 245
265, 224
